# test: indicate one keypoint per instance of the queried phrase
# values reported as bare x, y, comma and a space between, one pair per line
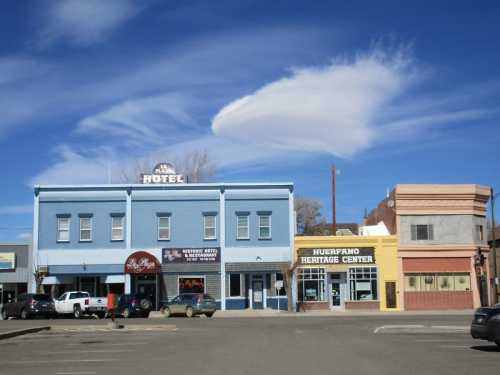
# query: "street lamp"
494, 246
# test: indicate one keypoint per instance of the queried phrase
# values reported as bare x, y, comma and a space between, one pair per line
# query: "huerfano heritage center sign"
350, 255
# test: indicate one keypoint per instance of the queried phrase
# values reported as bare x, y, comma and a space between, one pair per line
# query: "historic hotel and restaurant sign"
163, 173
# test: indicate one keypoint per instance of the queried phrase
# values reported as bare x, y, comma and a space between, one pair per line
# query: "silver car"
191, 305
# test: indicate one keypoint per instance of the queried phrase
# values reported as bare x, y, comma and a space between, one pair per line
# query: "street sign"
278, 284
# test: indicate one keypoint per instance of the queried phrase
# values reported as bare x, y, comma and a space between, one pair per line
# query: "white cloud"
330, 109
24, 236
85, 22
16, 209
143, 122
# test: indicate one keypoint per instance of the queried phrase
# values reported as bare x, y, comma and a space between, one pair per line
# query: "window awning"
113, 279
56, 280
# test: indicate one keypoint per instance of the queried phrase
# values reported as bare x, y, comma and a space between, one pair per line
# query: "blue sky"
274, 91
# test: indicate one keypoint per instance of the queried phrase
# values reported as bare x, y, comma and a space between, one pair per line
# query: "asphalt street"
277, 345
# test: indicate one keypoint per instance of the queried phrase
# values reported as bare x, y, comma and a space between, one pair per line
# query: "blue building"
232, 241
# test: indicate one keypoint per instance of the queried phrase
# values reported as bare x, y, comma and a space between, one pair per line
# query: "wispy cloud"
329, 109
144, 122
84, 22
16, 210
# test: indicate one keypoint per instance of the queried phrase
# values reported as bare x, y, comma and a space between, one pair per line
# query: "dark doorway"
390, 294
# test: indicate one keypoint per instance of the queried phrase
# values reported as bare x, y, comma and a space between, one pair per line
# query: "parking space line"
398, 326
77, 373
80, 351
31, 362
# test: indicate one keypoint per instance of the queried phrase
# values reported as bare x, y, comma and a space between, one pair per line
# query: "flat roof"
234, 185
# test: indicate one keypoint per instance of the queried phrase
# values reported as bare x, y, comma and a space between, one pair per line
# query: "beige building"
442, 247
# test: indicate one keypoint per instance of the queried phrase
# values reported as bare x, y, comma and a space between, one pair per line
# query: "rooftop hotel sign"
163, 173
349, 255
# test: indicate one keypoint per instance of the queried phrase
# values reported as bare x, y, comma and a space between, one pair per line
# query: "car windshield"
42, 297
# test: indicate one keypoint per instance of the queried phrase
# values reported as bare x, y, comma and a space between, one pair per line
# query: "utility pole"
334, 201
494, 248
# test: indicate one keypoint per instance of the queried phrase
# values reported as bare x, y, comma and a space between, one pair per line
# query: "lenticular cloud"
331, 109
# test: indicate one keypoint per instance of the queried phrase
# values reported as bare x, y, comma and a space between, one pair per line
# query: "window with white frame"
422, 232
117, 225
311, 285
209, 227
63, 224
85, 229
163, 227
363, 283
264, 226
243, 227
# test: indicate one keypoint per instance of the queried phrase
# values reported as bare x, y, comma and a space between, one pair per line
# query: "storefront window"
363, 283
235, 285
191, 285
429, 282
311, 285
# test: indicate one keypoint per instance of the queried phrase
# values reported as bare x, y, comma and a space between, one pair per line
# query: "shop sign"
350, 255
163, 173
192, 255
142, 262
7, 261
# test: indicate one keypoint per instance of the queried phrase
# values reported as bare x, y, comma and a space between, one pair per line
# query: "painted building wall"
101, 223
448, 229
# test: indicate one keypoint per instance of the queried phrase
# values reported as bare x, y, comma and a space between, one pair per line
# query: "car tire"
24, 314
126, 313
77, 312
189, 312
101, 315
209, 315
167, 313
4, 315
497, 342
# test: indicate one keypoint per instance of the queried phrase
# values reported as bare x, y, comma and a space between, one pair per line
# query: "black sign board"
349, 255
191, 255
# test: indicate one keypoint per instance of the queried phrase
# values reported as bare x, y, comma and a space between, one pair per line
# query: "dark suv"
134, 305
26, 306
190, 305
486, 324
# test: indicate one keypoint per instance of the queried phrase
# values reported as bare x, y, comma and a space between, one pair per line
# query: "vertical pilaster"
33, 254
292, 227
128, 220
222, 215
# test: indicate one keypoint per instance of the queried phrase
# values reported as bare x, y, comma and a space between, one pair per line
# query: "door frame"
343, 289
262, 281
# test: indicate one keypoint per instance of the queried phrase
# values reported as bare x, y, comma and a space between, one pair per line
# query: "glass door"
257, 294
337, 290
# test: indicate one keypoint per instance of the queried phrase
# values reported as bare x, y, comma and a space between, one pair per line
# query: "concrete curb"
20, 332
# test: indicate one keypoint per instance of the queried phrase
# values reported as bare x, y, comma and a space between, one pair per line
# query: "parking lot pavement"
256, 346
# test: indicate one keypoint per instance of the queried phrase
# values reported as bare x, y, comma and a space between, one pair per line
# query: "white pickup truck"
80, 303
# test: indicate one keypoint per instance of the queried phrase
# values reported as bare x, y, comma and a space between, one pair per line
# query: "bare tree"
309, 217
195, 165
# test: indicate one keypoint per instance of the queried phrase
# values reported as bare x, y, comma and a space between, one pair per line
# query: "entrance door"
390, 294
149, 290
258, 294
338, 290
335, 293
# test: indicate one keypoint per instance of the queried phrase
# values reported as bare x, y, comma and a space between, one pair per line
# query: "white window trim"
205, 227
59, 229
270, 228
169, 227
247, 237
90, 230
122, 227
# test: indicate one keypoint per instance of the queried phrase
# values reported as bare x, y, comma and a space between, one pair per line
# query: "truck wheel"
126, 313
497, 342
24, 314
101, 315
4, 315
189, 312
77, 312
209, 315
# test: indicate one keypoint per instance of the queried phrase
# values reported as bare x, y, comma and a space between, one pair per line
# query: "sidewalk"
248, 313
